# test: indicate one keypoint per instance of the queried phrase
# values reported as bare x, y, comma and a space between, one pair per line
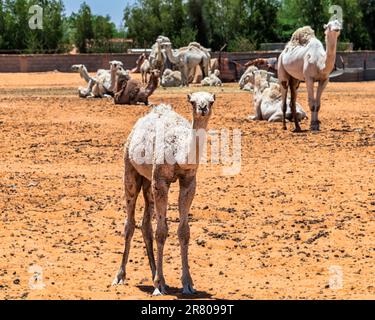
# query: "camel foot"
189, 290
119, 280
160, 291
252, 118
285, 128
297, 130
315, 126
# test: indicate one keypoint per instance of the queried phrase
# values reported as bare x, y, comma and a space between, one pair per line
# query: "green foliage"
84, 30
368, 19
294, 14
354, 30
241, 44
241, 24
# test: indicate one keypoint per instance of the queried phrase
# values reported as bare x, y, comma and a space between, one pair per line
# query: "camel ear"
325, 26
190, 98
214, 97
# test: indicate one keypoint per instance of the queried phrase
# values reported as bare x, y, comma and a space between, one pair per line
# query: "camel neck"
171, 56
113, 80
200, 124
331, 45
152, 85
198, 141
85, 75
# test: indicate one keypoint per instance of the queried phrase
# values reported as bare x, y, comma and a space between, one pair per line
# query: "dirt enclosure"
296, 223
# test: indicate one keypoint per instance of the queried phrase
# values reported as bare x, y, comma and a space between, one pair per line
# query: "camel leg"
294, 84
185, 76
284, 80
147, 226
321, 87
314, 126
284, 96
187, 193
160, 190
133, 184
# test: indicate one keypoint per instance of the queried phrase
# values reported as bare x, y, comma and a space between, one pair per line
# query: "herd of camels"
303, 59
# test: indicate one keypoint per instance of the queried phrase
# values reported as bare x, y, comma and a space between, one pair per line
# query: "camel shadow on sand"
176, 292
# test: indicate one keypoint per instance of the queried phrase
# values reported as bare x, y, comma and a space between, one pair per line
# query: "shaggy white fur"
164, 135
171, 79
212, 80
267, 101
302, 36
304, 39
248, 77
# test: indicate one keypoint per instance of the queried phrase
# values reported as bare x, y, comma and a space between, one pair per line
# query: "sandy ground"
301, 204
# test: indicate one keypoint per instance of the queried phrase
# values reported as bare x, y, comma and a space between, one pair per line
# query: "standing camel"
188, 58
304, 59
163, 148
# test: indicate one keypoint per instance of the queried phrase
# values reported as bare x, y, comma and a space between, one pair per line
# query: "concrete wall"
63, 62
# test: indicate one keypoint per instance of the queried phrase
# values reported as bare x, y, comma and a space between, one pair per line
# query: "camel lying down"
272, 112
268, 103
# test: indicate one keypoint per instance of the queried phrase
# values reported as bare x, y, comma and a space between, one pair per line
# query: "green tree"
353, 28
368, 19
53, 25
2, 25
198, 21
104, 31
294, 14
142, 21
84, 31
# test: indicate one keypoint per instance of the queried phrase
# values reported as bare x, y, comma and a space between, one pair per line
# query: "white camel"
171, 79
247, 80
188, 58
163, 148
145, 70
102, 84
304, 59
158, 57
212, 80
268, 104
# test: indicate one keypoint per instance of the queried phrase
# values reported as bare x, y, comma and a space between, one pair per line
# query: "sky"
114, 8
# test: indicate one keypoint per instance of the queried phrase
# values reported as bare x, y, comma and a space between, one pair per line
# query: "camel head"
122, 73
162, 39
260, 80
166, 45
334, 28
217, 73
78, 67
115, 64
155, 73
141, 59
202, 103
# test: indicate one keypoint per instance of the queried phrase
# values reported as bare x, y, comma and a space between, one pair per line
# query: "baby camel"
132, 92
163, 148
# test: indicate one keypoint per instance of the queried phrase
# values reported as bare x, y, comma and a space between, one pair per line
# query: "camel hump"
197, 46
162, 109
302, 36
